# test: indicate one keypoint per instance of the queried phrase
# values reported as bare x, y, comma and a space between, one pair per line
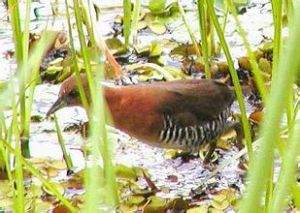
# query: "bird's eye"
74, 93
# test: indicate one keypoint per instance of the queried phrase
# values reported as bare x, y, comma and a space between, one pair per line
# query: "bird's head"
69, 94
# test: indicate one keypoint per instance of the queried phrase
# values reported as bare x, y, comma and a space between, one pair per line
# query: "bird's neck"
112, 95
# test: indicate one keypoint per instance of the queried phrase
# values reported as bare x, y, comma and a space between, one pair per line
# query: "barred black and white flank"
192, 137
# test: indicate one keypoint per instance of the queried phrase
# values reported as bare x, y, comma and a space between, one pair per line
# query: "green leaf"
157, 6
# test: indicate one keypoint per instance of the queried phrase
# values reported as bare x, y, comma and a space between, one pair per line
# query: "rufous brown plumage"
180, 114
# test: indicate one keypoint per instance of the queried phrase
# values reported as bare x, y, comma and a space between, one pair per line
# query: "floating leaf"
123, 171
34, 191
244, 63
156, 24
267, 47
200, 209
142, 50
157, 6
28, 203
57, 186
118, 19
214, 210
52, 70
155, 49
240, 2
256, 117
265, 65
126, 208
6, 204
177, 205
157, 27
222, 205
61, 209
231, 134
57, 164
36, 118
223, 67
41, 206
135, 200
3, 86
50, 172
171, 153
61, 40
156, 205
176, 72
184, 50
115, 46
40, 160
142, 24
258, 54
56, 61
76, 180
220, 3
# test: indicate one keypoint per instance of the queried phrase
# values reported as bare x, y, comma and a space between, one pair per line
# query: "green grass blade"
255, 69
234, 76
193, 39
280, 89
135, 20
36, 173
127, 21
74, 61
19, 179
61, 141
203, 31
287, 172
277, 18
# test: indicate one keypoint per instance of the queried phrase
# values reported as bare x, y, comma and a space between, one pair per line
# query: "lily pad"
57, 186
135, 200
157, 6
115, 46
199, 209
156, 24
265, 65
157, 27
256, 117
156, 204
155, 49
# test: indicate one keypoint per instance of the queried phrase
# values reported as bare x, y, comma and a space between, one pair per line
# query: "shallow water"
257, 21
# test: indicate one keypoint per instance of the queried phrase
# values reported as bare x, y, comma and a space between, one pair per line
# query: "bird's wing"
196, 102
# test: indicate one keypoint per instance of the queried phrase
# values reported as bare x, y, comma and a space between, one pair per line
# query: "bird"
179, 114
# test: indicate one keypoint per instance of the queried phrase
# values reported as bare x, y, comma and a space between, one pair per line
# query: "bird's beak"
61, 102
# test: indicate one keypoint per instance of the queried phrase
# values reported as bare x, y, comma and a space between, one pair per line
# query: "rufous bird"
179, 114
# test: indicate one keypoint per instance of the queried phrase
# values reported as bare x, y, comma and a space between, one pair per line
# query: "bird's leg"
212, 147
238, 128
185, 156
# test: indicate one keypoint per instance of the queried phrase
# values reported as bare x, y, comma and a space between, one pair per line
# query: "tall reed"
99, 181
233, 74
281, 88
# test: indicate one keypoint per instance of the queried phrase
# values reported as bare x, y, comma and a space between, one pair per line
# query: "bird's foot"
209, 160
238, 128
209, 165
185, 156
208, 157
